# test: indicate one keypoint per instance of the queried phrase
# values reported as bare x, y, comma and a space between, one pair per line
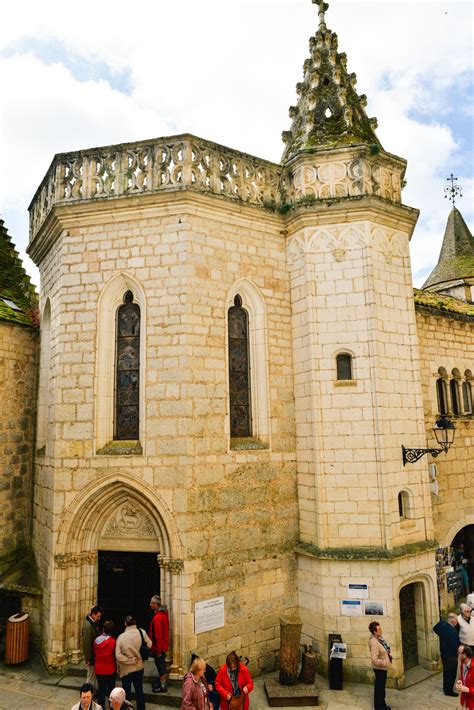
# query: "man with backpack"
128, 653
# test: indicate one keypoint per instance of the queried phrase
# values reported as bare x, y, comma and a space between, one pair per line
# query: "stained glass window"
127, 370
239, 371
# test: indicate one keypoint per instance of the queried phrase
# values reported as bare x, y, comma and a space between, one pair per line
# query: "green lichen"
121, 448
366, 553
15, 286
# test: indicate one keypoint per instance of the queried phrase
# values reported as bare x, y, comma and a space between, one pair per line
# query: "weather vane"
452, 191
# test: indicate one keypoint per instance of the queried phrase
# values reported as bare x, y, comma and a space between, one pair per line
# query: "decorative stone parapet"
179, 162
344, 172
188, 163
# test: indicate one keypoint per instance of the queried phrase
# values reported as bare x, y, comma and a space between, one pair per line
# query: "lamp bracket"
413, 455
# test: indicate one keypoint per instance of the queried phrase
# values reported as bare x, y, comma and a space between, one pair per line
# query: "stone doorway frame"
426, 617
74, 574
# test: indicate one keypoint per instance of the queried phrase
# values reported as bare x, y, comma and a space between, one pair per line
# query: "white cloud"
227, 71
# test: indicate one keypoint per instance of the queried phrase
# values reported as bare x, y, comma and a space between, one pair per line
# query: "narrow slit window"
239, 371
442, 394
344, 366
467, 397
127, 370
404, 505
455, 398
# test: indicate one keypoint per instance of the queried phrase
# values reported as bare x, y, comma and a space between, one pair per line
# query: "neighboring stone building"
18, 357
231, 360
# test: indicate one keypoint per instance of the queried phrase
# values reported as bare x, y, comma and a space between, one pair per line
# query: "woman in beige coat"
381, 661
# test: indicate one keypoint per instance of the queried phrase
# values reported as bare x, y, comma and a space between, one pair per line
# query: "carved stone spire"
329, 112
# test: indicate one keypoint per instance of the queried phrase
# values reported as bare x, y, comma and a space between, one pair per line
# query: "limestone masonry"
231, 356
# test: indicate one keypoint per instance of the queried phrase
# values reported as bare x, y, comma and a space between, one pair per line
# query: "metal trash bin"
335, 669
17, 637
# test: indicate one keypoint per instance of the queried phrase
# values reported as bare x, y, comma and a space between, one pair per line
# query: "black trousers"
379, 689
106, 684
450, 668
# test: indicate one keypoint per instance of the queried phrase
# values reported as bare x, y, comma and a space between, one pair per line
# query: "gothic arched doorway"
112, 524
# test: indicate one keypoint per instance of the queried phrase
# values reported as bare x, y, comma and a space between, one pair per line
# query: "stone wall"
18, 348
448, 341
230, 514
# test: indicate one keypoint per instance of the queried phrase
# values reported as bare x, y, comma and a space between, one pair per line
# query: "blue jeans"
137, 679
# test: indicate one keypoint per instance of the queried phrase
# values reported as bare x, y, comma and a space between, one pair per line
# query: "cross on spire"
452, 191
323, 6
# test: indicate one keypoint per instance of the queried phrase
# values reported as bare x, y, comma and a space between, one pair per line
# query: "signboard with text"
208, 615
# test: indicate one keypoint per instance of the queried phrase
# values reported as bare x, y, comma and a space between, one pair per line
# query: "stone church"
230, 358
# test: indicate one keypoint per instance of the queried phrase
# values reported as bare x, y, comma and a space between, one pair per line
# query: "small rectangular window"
344, 366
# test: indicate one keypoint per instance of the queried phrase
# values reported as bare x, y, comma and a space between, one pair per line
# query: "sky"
77, 75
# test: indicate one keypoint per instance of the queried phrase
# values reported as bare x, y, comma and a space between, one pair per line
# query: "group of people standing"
106, 656
228, 689
456, 642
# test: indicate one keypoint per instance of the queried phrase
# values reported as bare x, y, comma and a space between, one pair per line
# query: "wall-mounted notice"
374, 608
208, 615
358, 591
351, 607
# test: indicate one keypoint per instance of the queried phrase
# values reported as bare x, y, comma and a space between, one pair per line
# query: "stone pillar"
290, 632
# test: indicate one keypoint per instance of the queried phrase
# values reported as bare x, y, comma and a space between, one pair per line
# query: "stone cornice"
365, 553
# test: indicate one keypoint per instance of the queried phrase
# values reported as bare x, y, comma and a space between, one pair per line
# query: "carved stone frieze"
348, 178
129, 521
75, 559
340, 240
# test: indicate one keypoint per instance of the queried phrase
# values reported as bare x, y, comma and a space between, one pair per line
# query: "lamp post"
444, 432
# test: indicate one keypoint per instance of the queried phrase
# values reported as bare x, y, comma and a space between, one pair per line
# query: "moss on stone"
121, 448
437, 302
366, 553
15, 286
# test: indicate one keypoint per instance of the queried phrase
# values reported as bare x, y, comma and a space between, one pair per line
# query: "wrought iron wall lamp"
444, 431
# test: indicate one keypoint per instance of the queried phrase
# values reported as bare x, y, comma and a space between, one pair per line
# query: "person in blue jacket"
448, 632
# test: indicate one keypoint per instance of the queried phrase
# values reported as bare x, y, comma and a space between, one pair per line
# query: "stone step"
170, 699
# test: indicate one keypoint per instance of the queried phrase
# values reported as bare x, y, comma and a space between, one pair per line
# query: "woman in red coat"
104, 663
233, 681
465, 685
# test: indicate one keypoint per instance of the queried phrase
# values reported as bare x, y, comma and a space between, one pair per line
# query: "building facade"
232, 356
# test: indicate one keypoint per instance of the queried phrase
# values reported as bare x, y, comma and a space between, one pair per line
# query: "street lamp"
444, 431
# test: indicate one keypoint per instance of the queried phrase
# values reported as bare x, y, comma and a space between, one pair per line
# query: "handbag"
236, 702
144, 650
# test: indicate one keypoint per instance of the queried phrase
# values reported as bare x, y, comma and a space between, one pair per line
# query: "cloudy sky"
76, 75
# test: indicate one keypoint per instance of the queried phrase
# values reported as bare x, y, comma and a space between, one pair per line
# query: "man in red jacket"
160, 636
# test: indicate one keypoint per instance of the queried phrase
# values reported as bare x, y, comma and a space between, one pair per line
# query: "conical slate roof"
456, 260
18, 300
329, 112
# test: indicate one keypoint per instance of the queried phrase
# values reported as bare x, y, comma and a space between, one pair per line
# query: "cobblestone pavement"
28, 687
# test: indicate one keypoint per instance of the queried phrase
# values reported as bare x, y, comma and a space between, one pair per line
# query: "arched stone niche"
118, 512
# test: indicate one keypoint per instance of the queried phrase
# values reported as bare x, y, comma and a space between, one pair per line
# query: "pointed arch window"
127, 370
239, 371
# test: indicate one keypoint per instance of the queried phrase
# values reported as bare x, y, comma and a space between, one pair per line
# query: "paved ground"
28, 687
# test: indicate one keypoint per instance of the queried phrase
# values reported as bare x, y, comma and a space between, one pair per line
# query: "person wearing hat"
117, 700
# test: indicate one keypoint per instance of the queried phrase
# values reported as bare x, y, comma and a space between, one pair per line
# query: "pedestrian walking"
105, 665
210, 676
90, 631
380, 654
448, 632
234, 683
117, 700
129, 660
465, 684
160, 636
466, 625
195, 688
86, 702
